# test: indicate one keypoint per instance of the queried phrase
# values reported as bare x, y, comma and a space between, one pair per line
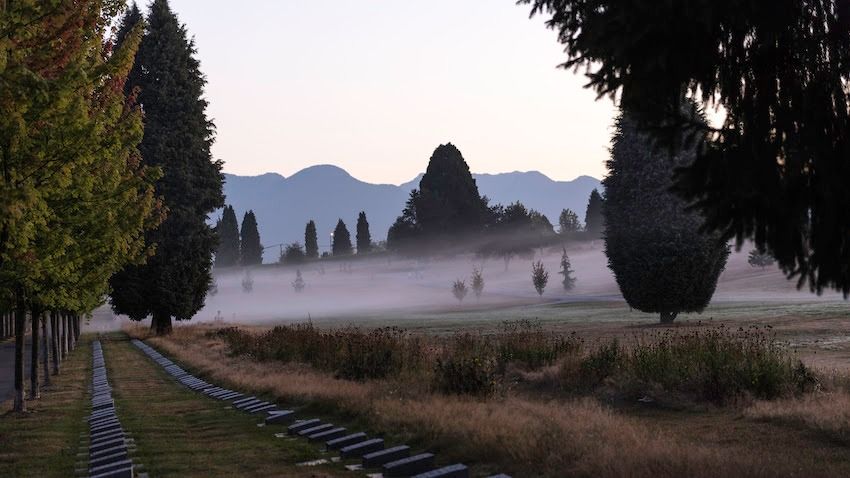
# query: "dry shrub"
520, 436
827, 413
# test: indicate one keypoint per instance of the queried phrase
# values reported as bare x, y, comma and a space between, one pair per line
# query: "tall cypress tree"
662, 261
364, 238
227, 229
342, 240
251, 250
311, 240
593, 220
177, 138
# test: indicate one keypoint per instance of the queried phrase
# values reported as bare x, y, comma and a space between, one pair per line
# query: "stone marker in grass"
362, 448
409, 466
338, 443
452, 471
378, 458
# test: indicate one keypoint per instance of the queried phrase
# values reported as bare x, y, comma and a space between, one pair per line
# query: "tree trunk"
668, 317
45, 349
161, 324
54, 340
20, 330
63, 341
35, 392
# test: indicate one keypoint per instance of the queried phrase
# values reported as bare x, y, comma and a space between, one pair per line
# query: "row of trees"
447, 209
235, 246
76, 198
341, 245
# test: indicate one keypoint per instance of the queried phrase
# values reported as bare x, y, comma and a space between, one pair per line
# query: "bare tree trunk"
45, 349
668, 317
54, 340
161, 324
20, 330
63, 341
35, 391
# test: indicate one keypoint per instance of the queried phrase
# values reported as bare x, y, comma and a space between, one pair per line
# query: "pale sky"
373, 86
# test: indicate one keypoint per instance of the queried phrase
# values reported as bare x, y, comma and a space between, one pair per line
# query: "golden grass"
827, 413
522, 435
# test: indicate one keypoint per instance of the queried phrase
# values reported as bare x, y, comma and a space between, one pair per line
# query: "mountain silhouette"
326, 193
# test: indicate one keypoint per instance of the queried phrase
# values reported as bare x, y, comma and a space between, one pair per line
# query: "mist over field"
398, 287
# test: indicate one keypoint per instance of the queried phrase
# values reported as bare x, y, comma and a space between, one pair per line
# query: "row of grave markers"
395, 461
108, 455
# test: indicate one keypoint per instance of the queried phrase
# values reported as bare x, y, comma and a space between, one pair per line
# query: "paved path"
7, 368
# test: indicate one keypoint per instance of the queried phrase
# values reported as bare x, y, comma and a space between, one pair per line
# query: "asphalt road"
7, 368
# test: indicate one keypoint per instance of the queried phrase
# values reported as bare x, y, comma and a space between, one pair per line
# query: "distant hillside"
326, 193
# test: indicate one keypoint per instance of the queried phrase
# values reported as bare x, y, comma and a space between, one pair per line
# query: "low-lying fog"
357, 288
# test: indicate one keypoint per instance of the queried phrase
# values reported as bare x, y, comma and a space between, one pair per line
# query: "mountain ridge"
326, 193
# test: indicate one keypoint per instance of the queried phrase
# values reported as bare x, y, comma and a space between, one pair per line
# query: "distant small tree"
459, 290
568, 223
213, 287
227, 229
757, 259
247, 281
311, 241
298, 284
293, 254
342, 240
364, 237
567, 271
477, 282
539, 277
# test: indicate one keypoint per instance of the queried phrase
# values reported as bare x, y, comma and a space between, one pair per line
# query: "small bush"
468, 366
525, 342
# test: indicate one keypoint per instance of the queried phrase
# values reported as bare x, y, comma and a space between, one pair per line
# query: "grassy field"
530, 430
45, 440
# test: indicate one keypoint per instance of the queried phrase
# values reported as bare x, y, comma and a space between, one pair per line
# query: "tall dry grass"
827, 413
522, 436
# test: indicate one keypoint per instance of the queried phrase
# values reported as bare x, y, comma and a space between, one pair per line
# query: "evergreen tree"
567, 271
298, 284
568, 223
593, 219
364, 238
757, 259
459, 290
661, 260
177, 139
341, 241
251, 250
477, 282
776, 171
311, 241
248, 282
539, 277
227, 229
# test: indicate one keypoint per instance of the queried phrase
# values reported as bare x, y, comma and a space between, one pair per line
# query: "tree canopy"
594, 222
311, 241
341, 241
364, 237
776, 170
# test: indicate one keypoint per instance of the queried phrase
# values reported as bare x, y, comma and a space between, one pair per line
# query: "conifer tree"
662, 261
227, 254
459, 290
177, 138
539, 277
567, 271
311, 241
251, 250
364, 238
593, 220
568, 223
247, 281
341, 241
477, 282
298, 284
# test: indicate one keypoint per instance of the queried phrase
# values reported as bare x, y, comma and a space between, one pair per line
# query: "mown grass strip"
183, 433
45, 440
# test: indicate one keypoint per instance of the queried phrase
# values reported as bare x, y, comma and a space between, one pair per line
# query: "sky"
374, 86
